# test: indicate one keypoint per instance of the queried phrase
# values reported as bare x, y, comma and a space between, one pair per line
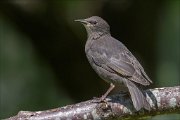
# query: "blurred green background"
42, 59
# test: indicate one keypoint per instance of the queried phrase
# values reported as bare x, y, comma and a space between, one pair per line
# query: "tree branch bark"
162, 100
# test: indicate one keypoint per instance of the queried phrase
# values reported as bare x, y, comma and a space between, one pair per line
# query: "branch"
162, 100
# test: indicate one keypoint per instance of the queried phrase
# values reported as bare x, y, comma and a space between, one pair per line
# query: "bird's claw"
100, 100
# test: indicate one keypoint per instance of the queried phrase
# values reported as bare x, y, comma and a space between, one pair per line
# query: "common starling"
113, 62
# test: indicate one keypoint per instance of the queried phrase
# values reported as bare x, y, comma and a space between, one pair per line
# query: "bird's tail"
138, 99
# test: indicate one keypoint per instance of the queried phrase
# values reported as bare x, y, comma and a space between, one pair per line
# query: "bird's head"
95, 24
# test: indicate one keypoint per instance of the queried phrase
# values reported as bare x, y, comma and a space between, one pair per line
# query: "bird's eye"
93, 22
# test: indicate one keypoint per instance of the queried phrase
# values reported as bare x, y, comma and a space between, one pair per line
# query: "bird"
113, 62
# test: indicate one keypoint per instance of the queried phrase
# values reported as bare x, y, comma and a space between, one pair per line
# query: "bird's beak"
83, 21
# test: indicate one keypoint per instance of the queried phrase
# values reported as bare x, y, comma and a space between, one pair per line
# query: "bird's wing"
138, 66
130, 68
122, 64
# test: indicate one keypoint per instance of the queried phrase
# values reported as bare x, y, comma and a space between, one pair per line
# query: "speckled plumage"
113, 62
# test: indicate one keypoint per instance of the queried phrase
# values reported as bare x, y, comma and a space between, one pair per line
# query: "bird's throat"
95, 35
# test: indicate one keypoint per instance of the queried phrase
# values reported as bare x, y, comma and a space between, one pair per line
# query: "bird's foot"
103, 97
99, 100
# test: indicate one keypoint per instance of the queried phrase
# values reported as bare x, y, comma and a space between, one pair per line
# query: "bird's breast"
88, 45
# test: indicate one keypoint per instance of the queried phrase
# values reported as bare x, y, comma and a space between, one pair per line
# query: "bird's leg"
107, 92
102, 98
